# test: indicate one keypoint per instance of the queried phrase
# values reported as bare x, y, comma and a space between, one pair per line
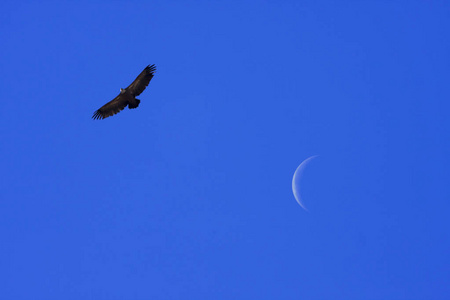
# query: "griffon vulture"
127, 96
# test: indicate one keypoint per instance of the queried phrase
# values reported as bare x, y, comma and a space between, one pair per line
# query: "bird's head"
122, 90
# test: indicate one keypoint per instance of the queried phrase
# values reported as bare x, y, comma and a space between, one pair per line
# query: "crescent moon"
296, 180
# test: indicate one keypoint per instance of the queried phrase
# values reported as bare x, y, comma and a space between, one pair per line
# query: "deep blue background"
189, 196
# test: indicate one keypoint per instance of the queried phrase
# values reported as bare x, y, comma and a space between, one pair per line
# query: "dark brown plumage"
127, 96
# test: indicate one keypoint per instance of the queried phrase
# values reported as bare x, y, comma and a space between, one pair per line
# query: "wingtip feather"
97, 115
151, 68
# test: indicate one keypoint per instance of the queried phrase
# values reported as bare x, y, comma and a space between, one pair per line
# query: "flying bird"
127, 96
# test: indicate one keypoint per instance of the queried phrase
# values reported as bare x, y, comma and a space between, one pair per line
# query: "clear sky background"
189, 196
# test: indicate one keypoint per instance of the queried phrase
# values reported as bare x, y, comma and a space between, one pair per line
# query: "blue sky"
189, 196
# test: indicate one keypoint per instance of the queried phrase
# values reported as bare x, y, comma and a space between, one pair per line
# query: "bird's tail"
135, 104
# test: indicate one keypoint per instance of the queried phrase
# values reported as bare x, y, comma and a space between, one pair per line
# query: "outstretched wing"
141, 82
112, 107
